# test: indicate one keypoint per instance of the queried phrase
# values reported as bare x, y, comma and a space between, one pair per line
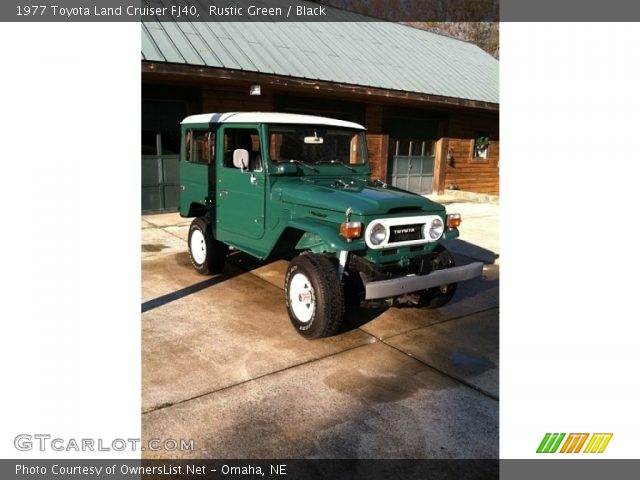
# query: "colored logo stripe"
598, 442
574, 443
550, 442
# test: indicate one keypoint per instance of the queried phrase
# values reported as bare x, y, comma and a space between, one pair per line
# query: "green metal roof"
372, 54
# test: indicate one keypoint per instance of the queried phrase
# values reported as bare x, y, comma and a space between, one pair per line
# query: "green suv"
279, 185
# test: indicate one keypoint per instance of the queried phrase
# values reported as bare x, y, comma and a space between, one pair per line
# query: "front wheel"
438, 296
314, 296
207, 254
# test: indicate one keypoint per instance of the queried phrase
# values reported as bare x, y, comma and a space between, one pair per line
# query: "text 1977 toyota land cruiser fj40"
278, 185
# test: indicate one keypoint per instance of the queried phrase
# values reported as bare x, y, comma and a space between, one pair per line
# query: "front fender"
450, 234
328, 233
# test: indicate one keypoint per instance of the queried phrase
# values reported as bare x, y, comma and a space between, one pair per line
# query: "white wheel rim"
302, 298
198, 247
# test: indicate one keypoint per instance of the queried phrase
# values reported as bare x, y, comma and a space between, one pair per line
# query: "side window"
247, 139
200, 146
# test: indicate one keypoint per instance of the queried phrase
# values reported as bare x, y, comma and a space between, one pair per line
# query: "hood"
365, 198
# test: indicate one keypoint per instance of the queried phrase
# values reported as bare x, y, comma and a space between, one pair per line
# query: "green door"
240, 195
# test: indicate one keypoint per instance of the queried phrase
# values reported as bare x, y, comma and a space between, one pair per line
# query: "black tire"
210, 254
439, 296
314, 278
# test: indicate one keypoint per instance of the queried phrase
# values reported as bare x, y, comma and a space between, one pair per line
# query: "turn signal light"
454, 220
351, 230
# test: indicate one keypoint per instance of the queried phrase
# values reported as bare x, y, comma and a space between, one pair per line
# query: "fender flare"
329, 234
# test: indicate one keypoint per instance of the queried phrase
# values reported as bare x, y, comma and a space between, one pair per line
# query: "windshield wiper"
338, 162
300, 162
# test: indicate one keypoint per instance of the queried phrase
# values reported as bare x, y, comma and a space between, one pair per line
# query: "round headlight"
436, 228
377, 234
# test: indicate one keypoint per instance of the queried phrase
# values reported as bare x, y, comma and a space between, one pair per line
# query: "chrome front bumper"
414, 283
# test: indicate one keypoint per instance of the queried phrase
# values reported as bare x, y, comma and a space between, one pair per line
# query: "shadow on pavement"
471, 250
183, 292
355, 315
237, 264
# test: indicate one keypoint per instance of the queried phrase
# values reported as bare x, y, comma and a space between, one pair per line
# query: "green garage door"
160, 155
160, 183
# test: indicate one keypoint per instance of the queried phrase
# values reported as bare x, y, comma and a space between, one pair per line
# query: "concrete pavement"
222, 365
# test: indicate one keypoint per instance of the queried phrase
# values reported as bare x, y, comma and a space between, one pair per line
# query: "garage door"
160, 155
412, 165
160, 183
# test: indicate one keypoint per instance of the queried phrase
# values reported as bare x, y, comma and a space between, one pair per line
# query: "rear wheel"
438, 296
314, 296
207, 254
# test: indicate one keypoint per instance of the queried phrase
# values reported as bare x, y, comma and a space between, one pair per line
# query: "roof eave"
203, 72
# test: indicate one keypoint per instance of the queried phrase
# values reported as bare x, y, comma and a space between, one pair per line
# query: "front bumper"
414, 283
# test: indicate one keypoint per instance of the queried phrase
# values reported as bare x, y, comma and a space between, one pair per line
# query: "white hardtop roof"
269, 117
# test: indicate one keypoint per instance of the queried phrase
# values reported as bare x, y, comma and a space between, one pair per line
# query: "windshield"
314, 144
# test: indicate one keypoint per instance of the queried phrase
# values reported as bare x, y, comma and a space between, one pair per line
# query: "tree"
483, 34
474, 21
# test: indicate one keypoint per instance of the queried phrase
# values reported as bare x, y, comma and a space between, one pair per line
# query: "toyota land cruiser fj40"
277, 185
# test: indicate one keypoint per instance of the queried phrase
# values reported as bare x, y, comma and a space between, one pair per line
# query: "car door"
197, 173
240, 192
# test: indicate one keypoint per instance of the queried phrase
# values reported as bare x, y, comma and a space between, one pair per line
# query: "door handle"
223, 193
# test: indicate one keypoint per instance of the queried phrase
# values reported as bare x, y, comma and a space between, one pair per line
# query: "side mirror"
241, 159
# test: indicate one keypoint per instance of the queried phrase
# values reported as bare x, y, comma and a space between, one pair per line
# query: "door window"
244, 138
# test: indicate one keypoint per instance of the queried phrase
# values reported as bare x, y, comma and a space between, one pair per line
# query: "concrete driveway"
222, 365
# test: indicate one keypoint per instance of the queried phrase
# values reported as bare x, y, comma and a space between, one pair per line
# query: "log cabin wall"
377, 142
228, 100
378, 146
463, 171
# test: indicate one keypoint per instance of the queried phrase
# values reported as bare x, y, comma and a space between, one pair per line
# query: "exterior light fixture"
451, 161
254, 90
